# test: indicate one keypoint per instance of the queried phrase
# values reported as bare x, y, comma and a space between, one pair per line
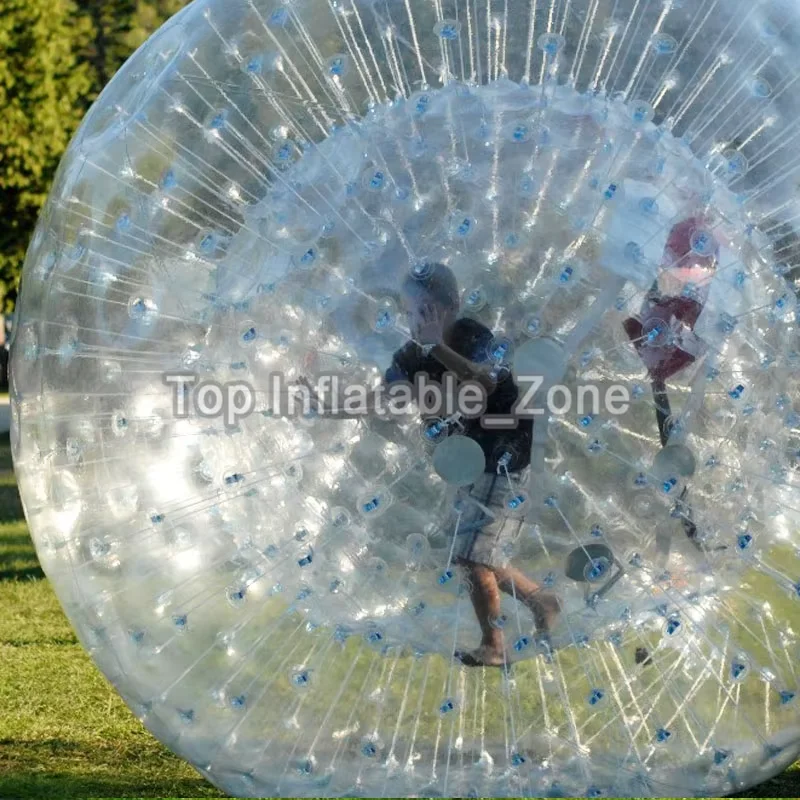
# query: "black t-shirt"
475, 342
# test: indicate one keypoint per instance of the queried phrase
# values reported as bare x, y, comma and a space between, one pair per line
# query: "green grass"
63, 730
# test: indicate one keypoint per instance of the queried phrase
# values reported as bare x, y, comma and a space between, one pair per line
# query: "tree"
149, 17
56, 56
118, 28
111, 23
43, 87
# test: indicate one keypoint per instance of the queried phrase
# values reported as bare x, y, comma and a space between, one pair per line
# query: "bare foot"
482, 657
545, 607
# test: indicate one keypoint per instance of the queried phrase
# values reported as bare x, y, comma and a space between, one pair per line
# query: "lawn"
63, 730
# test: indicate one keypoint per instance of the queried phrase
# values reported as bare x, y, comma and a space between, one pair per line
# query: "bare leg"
484, 592
545, 606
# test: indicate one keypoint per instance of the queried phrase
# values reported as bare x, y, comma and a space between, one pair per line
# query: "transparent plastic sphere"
272, 199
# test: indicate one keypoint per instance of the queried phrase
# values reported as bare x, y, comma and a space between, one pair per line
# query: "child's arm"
431, 336
465, 369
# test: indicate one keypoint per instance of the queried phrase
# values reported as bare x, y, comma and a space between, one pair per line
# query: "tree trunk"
100, 59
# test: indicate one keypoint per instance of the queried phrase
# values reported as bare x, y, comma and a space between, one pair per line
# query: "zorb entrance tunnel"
603, 195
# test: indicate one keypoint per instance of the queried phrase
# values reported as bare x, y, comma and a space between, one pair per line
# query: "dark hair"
435, 280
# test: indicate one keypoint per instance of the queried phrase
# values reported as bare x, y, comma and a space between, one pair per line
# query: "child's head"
437, 286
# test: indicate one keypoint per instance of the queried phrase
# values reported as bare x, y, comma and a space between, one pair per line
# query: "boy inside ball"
482, 529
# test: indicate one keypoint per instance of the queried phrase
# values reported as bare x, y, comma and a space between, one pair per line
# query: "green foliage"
42, 91
55, 58
118, 28
111, 23
148, 18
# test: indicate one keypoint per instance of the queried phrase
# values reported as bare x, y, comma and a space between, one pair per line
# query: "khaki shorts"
484, 529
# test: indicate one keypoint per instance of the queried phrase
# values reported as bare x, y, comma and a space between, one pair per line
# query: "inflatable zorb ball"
290, 601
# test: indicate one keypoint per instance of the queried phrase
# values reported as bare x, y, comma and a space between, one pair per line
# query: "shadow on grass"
67, 784
10, 505
18, 560
48, 642
25, 574
32, 770
787, 784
